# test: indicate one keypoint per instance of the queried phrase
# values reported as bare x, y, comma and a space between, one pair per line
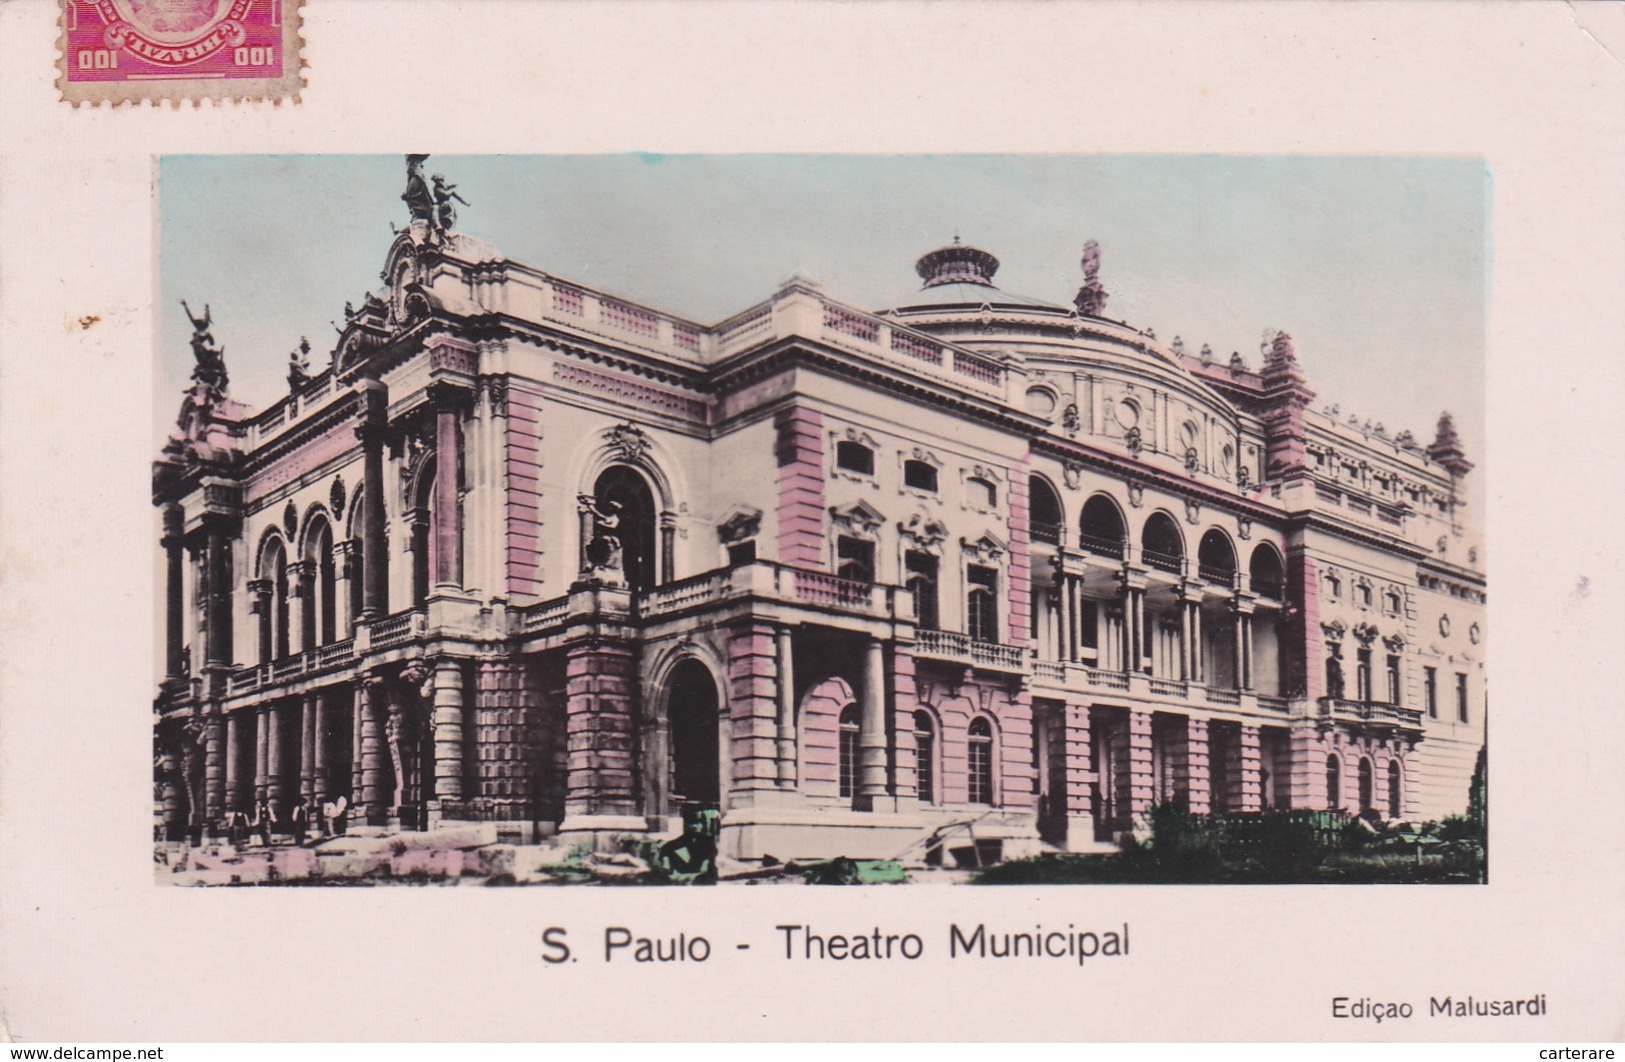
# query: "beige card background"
90, 949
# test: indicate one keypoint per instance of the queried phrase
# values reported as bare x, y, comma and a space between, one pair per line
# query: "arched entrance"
624, 492
692, 715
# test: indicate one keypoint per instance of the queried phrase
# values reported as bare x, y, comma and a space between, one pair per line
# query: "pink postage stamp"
131, 50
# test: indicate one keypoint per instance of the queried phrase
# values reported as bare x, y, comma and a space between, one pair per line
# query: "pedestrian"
301, 821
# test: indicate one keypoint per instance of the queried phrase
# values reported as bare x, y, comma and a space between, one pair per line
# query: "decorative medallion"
1444, 626
336, 498
1072, 473
290, 520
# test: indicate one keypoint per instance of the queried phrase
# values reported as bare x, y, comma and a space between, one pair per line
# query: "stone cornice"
1126, 468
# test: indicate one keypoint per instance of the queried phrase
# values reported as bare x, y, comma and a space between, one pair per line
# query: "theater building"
532, 554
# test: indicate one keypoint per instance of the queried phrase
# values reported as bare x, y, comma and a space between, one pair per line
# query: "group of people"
266, 824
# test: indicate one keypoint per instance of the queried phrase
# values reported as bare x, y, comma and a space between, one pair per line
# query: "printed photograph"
752, 520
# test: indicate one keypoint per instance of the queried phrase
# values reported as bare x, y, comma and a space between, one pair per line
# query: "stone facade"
532, 554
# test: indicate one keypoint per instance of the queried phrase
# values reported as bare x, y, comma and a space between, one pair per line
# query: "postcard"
505, 498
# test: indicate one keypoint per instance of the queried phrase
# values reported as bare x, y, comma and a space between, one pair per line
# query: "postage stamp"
132, 50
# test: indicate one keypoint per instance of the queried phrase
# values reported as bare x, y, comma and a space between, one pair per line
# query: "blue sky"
1375, 265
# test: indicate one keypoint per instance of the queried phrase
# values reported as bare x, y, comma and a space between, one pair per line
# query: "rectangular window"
855, 457
1430, 690
741, 553
1461, 697
1362, 675
1393, 680
925, 770
981, 604
855, 559
920, 577
920, 475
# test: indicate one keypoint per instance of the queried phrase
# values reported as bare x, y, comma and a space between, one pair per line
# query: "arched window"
979, 762
982, 603
1367, 786
920, 475
420, 521
849, 753
855, 457
1334, 783
625, 493
693, 721
320, 619
1396, 790
1267, 574
1100, 528
1216, 558
279, 603
271, 601
1045, 511
1161, 544
925, 757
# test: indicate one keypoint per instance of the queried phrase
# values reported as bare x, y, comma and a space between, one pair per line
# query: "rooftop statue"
210, 369
419, 200
1091, 298
444, 193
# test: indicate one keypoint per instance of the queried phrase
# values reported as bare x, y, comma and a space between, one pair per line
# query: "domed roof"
957, 275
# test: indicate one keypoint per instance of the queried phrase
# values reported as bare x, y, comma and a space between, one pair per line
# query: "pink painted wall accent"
1139, 762
335, 442
800, 451
753, 706
1021, 591
905, 701
1079, 753
1016, 788
1198, 773
522, 446
1247, 763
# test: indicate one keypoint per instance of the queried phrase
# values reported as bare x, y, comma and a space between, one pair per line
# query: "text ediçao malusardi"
798, 942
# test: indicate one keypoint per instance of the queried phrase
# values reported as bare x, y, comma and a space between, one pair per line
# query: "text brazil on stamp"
131, 50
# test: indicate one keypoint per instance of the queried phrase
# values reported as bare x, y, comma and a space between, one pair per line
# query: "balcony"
1218, 576
1167, 562
961, 648
1102, 547
1043, 531
1371, 714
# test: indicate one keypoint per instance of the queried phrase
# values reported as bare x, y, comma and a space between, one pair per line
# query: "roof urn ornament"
1091, 298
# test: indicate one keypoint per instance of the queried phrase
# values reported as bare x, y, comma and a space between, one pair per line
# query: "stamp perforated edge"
178, 90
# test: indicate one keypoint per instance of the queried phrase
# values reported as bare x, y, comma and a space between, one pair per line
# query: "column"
371, 800
358, 717
218, 652
448, 729
1240, 643
261, 752
447, 402
1063, 643
1186, 670
872, 727
371, 427
343, 586
1200, 773
668, 546
214, 769
786, 677
1198, 663
750, 727
274, 767
1247, 650
1127, 598
307, 753
260, 605
174, 604
234, 762
301, 614
321, 752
